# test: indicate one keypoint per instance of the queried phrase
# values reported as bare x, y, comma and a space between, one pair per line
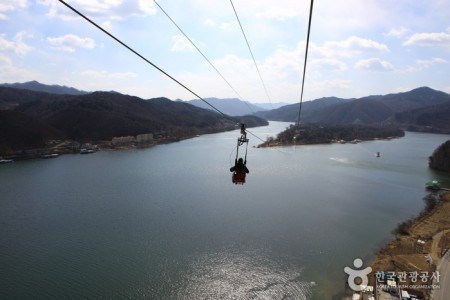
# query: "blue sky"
357, 47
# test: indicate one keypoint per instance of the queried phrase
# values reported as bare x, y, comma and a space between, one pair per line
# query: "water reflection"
233, 273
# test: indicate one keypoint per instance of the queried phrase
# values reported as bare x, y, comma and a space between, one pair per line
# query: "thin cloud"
181, 43
285, 61
8, 5
347, 15
106, 10
148, 7
16, 45
351, 46
374, 65
330, 64
429, 39
433, 61
397, 32
71, 42
261, 9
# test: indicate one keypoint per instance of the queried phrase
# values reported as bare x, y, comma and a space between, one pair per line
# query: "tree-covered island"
317, 134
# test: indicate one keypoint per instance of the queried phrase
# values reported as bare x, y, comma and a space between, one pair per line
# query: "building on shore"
123, 140
146, 138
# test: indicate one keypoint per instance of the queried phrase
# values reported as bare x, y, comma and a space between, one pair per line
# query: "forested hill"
435, 119
289, 113
422, 109
102, 116
440, 159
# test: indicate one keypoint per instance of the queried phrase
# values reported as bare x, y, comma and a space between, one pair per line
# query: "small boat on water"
86, 151
433, 185
378, 154
6, 161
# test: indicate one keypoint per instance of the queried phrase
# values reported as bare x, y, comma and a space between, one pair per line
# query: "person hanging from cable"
240, 169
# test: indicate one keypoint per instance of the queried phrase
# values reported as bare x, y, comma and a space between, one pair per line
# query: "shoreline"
55, 148
313, 134
419, 246
63, 147
328, 142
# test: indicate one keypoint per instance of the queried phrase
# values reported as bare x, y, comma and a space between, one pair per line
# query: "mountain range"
229, 106
32, 113
421, 109
39, 87
234, 106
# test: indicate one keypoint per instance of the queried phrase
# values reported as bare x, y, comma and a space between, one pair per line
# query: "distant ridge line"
40, 87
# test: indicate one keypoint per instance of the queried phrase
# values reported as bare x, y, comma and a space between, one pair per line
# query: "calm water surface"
167, 223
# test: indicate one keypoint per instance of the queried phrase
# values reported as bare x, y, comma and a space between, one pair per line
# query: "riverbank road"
444, 281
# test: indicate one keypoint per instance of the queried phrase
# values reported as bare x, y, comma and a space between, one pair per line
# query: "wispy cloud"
422, 64
351, 46
106, 10
181, 43
348, 15
147, 6
428, 63
16, 45
329, 64
374, 65
397, 31
71, 42
429, 39
8, 5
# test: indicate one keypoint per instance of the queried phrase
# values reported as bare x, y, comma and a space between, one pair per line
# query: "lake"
167, 223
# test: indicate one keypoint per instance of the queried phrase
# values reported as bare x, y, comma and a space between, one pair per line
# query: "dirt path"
435, 250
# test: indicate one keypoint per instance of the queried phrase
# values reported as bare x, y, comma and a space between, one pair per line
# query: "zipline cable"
306, 59
204, 56
142, 57
149, 62
251, 53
